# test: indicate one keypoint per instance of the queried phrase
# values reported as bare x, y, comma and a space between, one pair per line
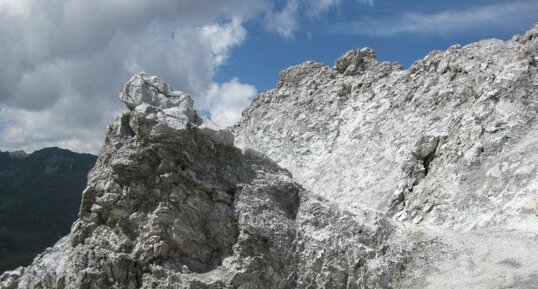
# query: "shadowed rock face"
172, 203
168, 194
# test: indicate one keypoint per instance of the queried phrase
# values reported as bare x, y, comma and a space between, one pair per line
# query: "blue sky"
263, 54
62, 62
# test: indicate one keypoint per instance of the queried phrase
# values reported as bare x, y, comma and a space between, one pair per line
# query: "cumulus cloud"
227, 100
478, 19
63, 62
223, 37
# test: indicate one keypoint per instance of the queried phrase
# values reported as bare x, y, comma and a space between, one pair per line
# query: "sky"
63, 62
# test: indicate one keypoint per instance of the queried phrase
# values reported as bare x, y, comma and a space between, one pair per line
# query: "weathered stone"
356, 61
439, 126
447, 148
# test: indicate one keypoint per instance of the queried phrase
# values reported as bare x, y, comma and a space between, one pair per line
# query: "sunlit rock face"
359, 176
451, 141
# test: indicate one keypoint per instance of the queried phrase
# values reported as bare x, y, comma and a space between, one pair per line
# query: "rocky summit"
362, 175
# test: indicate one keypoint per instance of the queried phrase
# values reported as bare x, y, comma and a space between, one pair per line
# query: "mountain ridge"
361, 175
327, 125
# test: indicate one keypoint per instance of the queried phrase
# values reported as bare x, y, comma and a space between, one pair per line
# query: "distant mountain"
40, 196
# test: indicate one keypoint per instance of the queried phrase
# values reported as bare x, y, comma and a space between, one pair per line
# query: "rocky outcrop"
356, 61
451, 141
376, 156
172, 203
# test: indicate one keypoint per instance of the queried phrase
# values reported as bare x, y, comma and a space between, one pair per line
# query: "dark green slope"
39, 200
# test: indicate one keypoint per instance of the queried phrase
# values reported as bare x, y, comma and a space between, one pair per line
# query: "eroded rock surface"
172, 203
419, 178
451, 141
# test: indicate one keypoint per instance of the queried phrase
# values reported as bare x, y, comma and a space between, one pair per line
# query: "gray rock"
182, 207
356, 61
419, 178
154, 98
456, 130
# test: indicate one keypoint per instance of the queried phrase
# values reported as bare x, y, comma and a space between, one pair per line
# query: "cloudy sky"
63, 62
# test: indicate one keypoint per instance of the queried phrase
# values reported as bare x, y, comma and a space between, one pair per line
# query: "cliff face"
359, 176
451, 141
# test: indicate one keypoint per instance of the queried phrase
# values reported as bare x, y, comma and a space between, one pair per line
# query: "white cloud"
284, 22
472, 20
224, 37
63, 62
31, 130
227, 100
